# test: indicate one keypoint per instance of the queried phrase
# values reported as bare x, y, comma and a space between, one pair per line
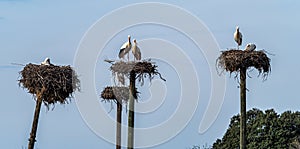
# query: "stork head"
248, 45
134, 40
47, 59
129, 37
237, 28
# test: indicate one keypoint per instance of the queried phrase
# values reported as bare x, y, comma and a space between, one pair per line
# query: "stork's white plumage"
46, 62
136, 51
238, 37
250, 47
126, 47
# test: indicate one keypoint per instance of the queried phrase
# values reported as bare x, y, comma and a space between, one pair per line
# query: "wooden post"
243, 108
119, 124
35, 119
130, 143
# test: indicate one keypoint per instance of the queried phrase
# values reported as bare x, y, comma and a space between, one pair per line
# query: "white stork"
238, 37
46, 62
136, 51
126, 47
250, 47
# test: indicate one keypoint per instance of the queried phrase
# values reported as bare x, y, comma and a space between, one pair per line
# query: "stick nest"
52, 83
141, 69
118, 93
234, 60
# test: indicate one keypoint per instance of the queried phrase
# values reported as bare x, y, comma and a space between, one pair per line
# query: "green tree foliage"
266, 130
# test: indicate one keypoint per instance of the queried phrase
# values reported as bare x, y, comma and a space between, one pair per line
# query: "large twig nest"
235, 60
59, 82
117, 93
141, 69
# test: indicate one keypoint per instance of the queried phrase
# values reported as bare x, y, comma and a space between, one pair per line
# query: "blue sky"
31, 30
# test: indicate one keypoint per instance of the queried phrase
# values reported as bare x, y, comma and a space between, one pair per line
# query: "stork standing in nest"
126, 47
136, 51
238, 37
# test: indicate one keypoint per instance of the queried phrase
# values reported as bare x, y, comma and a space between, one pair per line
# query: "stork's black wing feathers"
241, 40
122, 53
